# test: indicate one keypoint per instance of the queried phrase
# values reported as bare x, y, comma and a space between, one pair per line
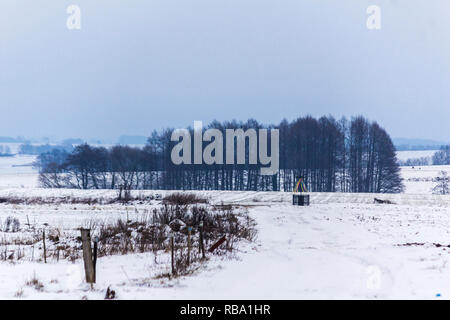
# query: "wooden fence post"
94, 261
202, 247
217, 244
87, 256
189, 245
172, 253
45, 250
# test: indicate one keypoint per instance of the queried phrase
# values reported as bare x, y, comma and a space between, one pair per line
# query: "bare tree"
442, 183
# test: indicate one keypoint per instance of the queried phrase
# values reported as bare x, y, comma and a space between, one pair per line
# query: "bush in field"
11, 225
152, 232
183, 199
442, 183
35, 283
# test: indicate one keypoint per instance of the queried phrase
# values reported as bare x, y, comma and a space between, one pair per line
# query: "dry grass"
35, 283
19, 293
45, 200
183, 199
179, 215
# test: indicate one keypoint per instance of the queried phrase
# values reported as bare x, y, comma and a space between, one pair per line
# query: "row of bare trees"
334, 156
442, 157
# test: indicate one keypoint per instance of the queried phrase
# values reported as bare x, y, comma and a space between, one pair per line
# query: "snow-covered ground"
342, 246
17, 172
419, 179
415, 154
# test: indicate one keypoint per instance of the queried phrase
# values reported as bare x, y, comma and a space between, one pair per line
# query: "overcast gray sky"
138, 65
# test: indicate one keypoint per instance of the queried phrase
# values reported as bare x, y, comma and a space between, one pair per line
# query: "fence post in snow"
189, 245
172, 253
87, 256
202, 247
94, 261
43, 242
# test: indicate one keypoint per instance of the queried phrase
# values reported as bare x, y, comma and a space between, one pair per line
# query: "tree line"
442, 157
330, 155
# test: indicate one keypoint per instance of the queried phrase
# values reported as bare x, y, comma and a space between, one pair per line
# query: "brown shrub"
183, 199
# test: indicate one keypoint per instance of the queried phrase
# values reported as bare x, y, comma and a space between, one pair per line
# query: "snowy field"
341, 247
419, 179
17, 172
415, 154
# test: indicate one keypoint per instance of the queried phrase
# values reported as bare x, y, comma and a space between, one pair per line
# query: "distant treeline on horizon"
330, 155
401, 144
123, 139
